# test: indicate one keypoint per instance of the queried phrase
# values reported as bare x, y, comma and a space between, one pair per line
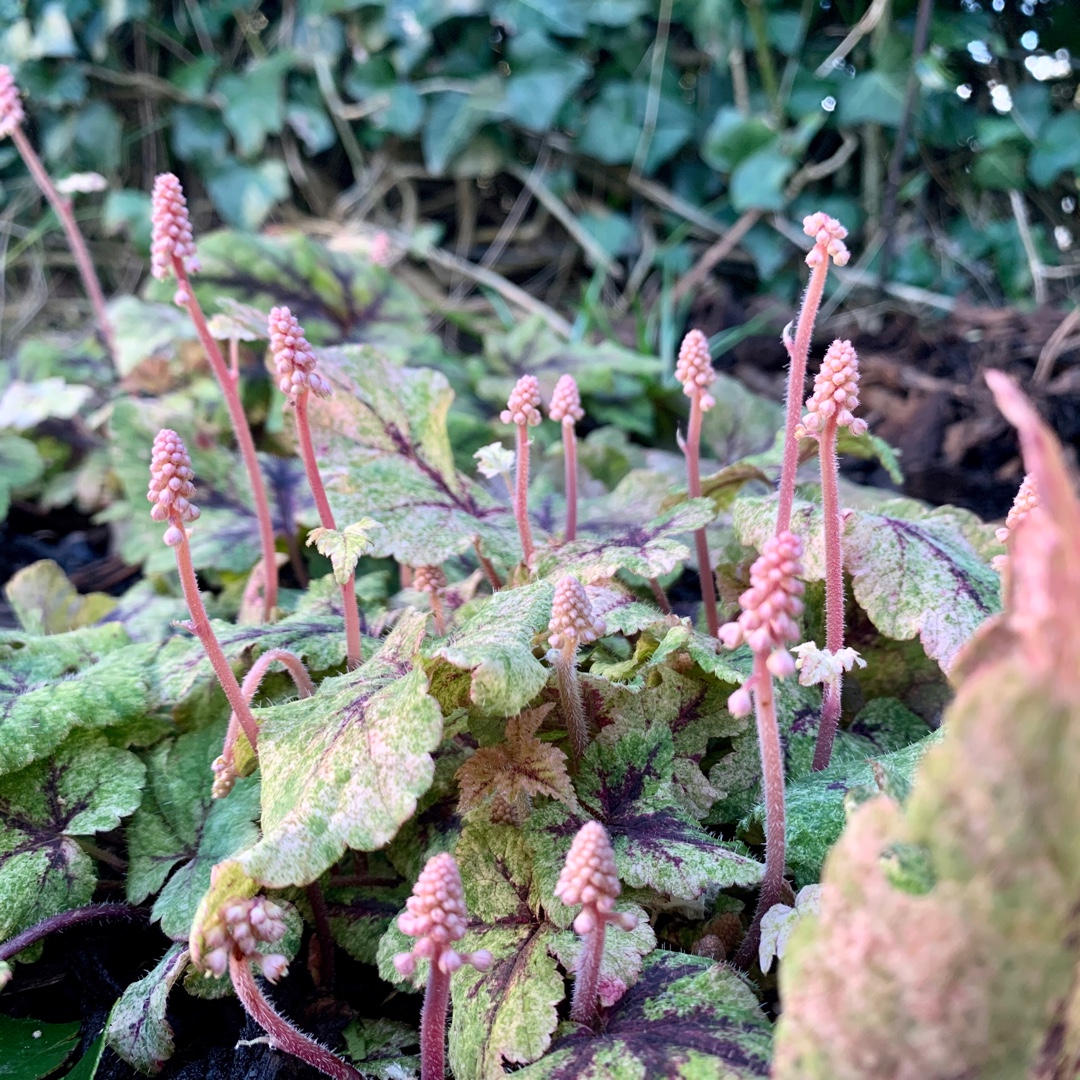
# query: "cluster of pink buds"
572, 620
437, 917
589, 878
770, 607
172, 485
829, 237
565, 405
11, 110
1027, 500
294, 359
171, 236
241, 926
836, 393
694, 368
429, 579
523, 406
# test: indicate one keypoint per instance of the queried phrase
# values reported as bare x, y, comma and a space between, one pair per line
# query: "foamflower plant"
523, 411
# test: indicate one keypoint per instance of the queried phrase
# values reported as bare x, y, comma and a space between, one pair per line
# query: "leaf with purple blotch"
686, 1018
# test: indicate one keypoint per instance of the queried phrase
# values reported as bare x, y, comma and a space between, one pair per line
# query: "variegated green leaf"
344, 768
343, 548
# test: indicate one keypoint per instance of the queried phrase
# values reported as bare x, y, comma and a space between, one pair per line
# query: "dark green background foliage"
265, 106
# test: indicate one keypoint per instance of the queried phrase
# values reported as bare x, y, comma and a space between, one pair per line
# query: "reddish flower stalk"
589, 878
11, 120
523, 410
436, 916
572, 624
836, 394
695, 371
432, 580
566, 409
828, 236
767, 623
232, 942
173, 252
297, 380
171, 491
224, 772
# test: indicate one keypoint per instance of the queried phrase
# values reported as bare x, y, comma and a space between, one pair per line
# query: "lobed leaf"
84, 787
344, 548
344, 768
30, 1049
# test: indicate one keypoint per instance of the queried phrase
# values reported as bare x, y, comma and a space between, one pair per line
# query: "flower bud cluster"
836, 392
429, 579
1026, 501
829, 237
225, 777
11, 110
436, 916
171, 485
694, 368
523, 408
240, 927
294, 360
770, 607
572, 620
170, 230
566, 402
589, 878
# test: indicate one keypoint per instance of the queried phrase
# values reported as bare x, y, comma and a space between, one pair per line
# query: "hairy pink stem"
234, 358
660, 596
55, 923
353, 646
242, 432
569, 441
521, 494
796, 386
439, 613
433, 1023
283, 1035
205, 633
487, 566
772, 771
586, 999
693, 476
570, 699
323, 935
834, 589
75, 239
253, 680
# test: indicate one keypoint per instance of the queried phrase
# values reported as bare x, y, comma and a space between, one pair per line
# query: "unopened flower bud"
11, 109
694, 368
572, 620
566, 402
294, 360
829, 237
523, 407
171, 236
836, 392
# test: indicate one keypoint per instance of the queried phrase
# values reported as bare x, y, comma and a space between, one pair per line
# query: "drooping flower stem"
834, 591
55, 923
231, 390
11, 118
282, 1034
828, 236
353, 645
200, 624
695, 371
572, 624
523, 411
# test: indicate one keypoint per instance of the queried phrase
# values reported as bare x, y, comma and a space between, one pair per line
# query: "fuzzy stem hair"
433, 1023
573, 706
692, 450
521, 493
569, 439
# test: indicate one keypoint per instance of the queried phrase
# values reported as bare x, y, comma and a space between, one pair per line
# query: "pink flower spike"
829, 236
11, 110
523, 407
694, 368
836, 392
565, 405
171, 229
572, 620
294, 359
171, 483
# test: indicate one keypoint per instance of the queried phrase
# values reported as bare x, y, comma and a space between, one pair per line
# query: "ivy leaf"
496, 646
510, 774
685, 1017
816, 804
50, 686
384, 452
626, 783
913, 576
649, 550
30, 1049
85, 787
137, 1028
20, 466
344, 548
45, 601
180, 825
344, 768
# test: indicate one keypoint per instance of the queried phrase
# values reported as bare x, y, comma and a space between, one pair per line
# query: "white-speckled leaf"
344, 768
496, 646
344, 547
137, 1028
85, 787
384, 452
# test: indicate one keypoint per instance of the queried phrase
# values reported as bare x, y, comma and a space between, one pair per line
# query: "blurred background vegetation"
608, 155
